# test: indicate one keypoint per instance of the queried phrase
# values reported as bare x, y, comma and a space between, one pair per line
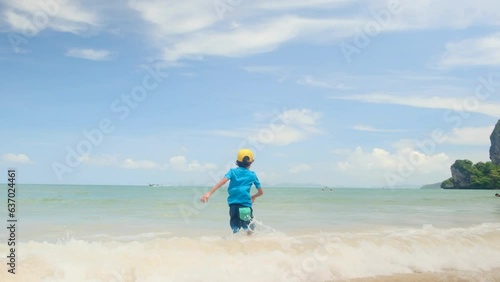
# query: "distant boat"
154, 185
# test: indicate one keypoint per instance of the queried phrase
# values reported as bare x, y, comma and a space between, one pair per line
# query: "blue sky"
332, 92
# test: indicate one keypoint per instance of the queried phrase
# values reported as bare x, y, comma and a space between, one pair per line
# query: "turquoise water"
133, 210
142, 233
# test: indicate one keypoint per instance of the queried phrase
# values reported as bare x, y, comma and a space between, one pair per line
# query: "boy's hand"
260, 192
204, 198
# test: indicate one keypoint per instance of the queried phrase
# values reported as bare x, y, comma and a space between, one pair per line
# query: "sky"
338, 93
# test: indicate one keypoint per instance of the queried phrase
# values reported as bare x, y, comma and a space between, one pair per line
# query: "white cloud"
299, 4
89, 54
432, 14
300, 117
281, 129
281, 135
393, 168
31, 16
484, 51
470, 135
139, 164
285, 136
192, 29
254, 38
309, 80
171, 17
300, 168
16, 20
181, 163
235, 43
373, 129
293, 126
466, 104
108, 160
176, 163
11, 158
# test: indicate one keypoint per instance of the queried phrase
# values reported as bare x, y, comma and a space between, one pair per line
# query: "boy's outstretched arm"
205, 197
259, 193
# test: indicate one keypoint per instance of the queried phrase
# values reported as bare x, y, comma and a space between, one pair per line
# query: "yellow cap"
245, 153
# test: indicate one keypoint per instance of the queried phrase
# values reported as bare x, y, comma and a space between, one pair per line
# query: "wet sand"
490, 276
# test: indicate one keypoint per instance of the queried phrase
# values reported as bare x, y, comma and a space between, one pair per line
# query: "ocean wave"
268, 256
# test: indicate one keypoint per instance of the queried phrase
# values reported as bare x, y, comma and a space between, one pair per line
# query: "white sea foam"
265, 256
124, 234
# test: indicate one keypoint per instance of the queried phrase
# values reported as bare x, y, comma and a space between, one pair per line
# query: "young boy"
239, 200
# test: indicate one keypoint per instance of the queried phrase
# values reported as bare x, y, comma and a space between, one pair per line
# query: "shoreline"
445, 276
492, 189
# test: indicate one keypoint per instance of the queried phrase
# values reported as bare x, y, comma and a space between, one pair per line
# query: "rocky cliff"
467, 175
495, 145
460, 174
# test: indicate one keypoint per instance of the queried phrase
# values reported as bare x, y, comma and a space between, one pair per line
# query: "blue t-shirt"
241, 180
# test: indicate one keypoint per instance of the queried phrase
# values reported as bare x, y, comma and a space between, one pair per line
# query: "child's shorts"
241, 217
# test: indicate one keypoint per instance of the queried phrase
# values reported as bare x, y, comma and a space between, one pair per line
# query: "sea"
142, 233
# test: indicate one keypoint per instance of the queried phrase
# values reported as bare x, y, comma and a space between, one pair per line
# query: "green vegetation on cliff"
466, 175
